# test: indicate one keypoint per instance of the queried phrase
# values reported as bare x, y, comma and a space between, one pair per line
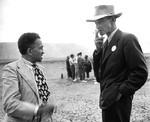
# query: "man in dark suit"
68, 68
81, 69
119, 66
25, 91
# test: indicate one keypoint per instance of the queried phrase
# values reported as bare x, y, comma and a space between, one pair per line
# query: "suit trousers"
81, 74
120, 111
72, 71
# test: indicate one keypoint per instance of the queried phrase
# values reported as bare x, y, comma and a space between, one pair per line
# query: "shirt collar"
28, 63
111, 35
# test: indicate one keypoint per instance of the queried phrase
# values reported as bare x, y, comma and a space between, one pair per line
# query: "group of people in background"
78, 67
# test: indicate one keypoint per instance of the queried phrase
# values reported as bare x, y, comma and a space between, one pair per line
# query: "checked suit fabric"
41, 83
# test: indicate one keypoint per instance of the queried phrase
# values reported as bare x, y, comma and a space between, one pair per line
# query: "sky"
64, 21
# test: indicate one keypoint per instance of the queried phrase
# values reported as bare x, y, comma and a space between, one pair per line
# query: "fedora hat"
102, 11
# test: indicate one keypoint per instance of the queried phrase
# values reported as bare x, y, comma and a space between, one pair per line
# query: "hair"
67, 57
86, 56
71, 55
26, 40
80, 53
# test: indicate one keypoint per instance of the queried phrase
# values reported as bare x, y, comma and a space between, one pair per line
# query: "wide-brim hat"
102, 11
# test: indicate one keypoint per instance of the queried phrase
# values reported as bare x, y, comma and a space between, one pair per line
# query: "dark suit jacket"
80, 63
122, 70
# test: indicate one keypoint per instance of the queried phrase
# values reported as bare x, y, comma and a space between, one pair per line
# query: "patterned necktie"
41, 83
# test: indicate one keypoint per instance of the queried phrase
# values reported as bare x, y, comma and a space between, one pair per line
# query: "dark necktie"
41, 83
105, 47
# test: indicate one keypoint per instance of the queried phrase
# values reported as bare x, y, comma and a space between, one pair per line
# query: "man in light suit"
21, 98
119, 66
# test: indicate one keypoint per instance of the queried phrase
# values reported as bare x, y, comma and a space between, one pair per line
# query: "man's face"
103, 25
37, 51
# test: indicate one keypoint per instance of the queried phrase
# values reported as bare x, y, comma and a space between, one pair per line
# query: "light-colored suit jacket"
19, 94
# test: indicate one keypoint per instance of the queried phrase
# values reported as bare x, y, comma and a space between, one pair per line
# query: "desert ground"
79, 102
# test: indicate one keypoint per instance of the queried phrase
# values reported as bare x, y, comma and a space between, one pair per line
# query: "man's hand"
98, 41
46, 108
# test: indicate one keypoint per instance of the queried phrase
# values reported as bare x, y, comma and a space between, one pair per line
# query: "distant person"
68, 68
72, 67
76, 68
25, 91
81, 69
122, 66
87, 66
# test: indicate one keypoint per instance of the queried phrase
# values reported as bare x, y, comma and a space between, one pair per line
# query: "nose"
42, 52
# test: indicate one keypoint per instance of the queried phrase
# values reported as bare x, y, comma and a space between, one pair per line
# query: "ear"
29, 51
114, 19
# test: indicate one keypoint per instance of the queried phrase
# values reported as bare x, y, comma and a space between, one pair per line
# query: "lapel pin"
113, 48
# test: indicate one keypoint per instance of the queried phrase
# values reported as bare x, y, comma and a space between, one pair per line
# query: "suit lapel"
112, 45
28, 76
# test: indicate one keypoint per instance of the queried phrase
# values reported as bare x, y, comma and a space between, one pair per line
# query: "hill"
9, 51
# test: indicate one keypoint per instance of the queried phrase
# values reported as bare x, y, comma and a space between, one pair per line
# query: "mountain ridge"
9, 51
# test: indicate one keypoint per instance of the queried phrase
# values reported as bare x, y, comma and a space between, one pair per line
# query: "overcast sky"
63, 21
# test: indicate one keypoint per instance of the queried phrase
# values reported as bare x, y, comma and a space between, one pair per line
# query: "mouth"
100, 31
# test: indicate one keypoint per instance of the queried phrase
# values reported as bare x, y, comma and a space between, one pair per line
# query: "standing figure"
81, 69
76, 67
121, 66
72, 67
68, 68
87, 66
25, 91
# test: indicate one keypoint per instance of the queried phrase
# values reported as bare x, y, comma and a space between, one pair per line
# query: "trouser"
120, 111
76, 71
72, 71
69, 73
82, 74
87, 74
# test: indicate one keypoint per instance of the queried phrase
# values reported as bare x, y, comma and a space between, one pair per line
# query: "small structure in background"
62, 76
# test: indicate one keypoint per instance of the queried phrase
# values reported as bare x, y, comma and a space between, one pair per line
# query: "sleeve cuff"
36, 109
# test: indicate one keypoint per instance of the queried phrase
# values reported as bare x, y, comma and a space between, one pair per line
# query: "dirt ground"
79, 102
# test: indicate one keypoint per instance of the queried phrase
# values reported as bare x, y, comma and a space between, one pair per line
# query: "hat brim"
102, 16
